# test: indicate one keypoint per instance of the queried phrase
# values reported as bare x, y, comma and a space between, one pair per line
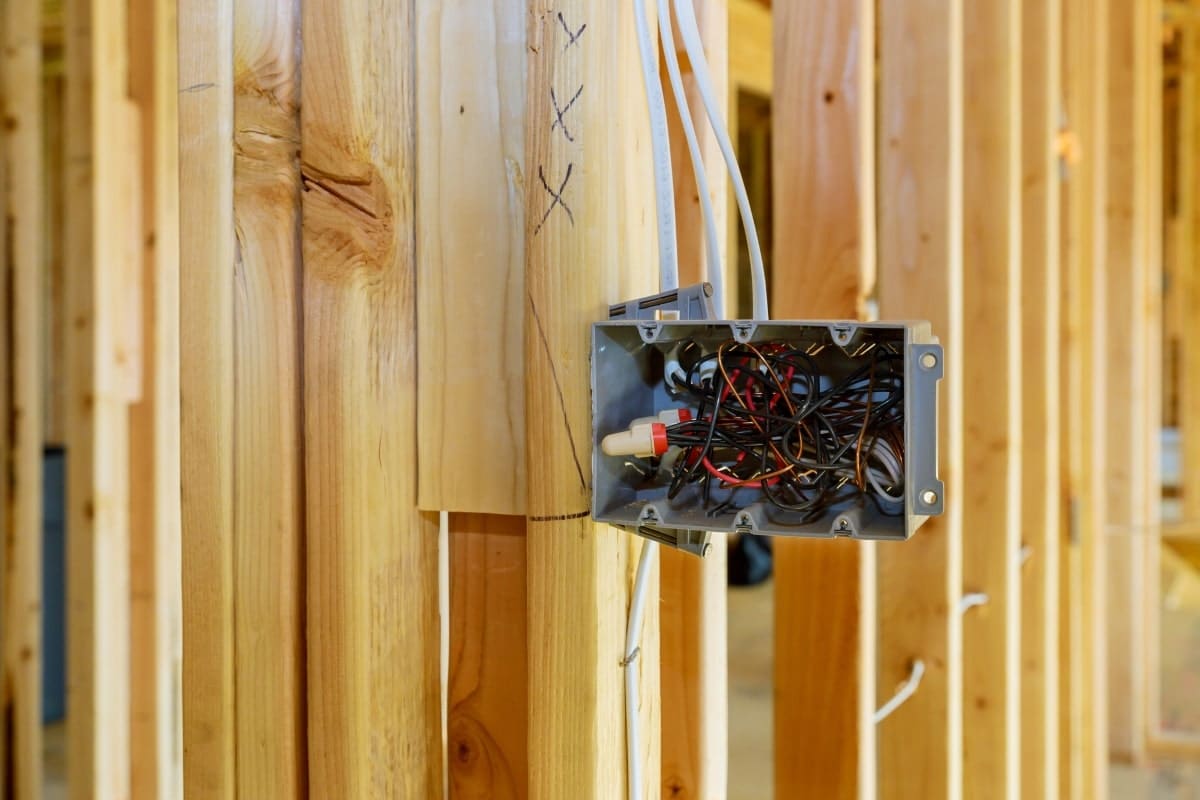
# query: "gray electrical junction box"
630, 357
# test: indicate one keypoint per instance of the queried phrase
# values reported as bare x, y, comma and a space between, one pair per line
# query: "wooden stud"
56, 326
1133, 331
470, 143
1041, 406
751, 47
992, 372
1074, 113
21, 491
1151, 115
166, 388
1085, 727
268, 540
1188, 284
587, 211
695, 758
154, 510
372, 598
693, 604
1094, 455
1151, 180
921, 277
824, 185
487, 734
468, 281
206, 238
7, 382
103, 239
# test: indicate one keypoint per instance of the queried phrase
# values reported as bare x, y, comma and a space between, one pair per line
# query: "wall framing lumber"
470, 144
695, 684
372, 595
169, 638
487, 698
7, 383
1188, 227
56, 324
1041, 402
1133, 326
693, 608
1085, 731
1094, 455
268, 503
21, 271
103, 258
156, 636
206, 237
921, 277
751, 47
824, 184
991, 483
587, 204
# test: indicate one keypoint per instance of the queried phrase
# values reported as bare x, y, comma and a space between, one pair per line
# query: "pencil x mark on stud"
557, 201
559, 122
571, 37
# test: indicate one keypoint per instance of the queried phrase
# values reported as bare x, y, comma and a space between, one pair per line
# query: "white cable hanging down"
712, 262
903, 693
664, 195
692, 42
660, 145
668, 278
637, 610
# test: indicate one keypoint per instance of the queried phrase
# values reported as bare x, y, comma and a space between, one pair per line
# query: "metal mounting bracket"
692, 303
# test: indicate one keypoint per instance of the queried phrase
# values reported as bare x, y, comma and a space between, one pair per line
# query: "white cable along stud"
906, 690
972, 600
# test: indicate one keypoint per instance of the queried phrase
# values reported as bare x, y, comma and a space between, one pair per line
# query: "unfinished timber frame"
313, 281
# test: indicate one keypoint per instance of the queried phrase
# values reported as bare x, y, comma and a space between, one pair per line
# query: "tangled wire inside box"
778, 428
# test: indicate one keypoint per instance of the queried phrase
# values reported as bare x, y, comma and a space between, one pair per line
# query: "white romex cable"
660, 143
637, 611
668, 276
712, 261
690, 33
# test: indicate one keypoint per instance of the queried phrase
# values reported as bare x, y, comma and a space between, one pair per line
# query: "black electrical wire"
765, 428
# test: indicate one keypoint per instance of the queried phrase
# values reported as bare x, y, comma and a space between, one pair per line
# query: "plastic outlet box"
628, 360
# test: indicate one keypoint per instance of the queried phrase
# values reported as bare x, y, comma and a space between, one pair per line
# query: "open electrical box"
782, 428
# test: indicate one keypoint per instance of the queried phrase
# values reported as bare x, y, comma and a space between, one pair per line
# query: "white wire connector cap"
642, 439
646, 436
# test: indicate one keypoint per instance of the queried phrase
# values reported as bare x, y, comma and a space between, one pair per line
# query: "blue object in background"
54, 584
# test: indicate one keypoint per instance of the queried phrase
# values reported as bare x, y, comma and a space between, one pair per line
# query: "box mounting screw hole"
928, 361
929, 497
